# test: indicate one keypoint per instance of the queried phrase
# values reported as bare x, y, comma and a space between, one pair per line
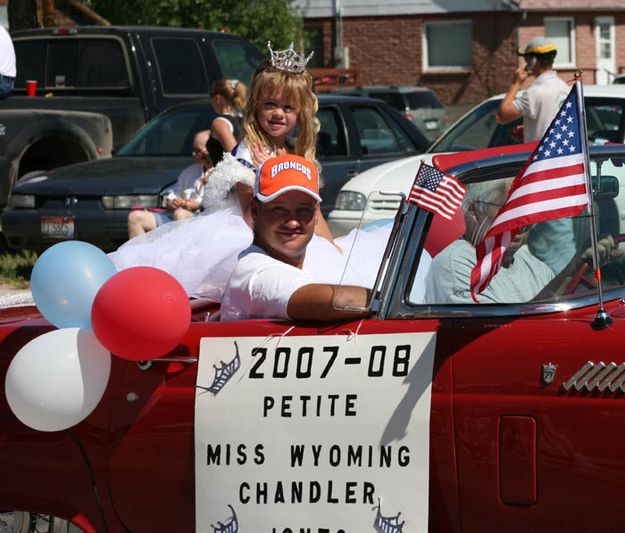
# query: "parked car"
91, 201
122, 76
416, 102
360, 201
463, 417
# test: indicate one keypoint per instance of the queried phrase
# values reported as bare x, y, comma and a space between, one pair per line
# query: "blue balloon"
65, 280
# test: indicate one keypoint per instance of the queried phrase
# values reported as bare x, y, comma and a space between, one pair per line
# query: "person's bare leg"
181, 213
140, 222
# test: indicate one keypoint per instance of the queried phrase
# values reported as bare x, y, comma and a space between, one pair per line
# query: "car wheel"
25, 522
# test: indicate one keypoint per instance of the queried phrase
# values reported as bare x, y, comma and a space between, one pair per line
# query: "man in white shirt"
550, 241
7, 64
269, 280
186, 198
542, 100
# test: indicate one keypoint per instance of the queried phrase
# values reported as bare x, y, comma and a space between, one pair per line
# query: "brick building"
463, 49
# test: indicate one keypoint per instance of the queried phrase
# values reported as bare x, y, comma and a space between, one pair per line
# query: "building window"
448, 45
561, 31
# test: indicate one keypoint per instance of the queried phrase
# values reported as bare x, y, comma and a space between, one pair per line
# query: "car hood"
118, 175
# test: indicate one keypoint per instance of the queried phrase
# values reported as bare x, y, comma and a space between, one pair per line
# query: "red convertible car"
432, 414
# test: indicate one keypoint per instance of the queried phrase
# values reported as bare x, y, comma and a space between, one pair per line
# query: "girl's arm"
221, 129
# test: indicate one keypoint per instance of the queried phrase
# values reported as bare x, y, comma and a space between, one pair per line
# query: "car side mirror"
605, 186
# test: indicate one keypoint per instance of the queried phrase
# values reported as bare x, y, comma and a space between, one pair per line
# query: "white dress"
201, 252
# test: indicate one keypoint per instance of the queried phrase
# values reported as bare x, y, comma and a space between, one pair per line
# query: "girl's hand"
260, 154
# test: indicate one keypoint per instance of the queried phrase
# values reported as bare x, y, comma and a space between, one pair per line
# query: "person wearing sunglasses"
185, 200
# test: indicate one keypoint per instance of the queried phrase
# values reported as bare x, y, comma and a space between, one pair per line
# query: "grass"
15, 268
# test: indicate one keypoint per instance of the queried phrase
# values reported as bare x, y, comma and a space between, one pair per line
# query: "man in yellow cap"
540, 103
269, 280
552, 241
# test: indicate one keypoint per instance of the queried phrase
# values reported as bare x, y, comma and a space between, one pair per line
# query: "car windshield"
605, 119
547, 262
478, 129
169, 134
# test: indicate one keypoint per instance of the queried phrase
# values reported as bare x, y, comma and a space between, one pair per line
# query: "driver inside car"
522, 275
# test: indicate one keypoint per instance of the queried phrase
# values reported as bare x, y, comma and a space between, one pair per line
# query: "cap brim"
265, 199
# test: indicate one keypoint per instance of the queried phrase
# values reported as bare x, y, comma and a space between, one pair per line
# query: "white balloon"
57, 379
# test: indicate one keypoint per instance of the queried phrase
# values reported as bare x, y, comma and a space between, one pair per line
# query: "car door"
536, 390
339, 163
346, 370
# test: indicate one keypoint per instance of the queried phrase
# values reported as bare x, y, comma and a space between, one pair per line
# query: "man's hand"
608, 250
520, 75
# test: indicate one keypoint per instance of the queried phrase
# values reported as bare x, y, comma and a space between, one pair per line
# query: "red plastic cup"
31, 87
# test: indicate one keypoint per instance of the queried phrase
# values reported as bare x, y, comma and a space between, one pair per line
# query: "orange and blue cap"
283, 173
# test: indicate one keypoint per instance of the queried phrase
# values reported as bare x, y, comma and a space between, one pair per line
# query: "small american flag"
436, 191
551, 184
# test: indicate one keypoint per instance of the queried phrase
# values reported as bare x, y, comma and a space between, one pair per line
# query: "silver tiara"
288, 60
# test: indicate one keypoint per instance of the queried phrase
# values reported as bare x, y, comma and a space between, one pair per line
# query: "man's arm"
328, 303
507, 111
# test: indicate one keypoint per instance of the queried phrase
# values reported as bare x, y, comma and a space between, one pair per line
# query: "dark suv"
417, 103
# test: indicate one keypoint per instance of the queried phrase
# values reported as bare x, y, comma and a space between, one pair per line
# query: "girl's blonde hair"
295, 87
234, 91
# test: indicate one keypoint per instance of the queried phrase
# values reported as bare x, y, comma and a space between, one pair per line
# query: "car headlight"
24, 201
351, 201
128, 201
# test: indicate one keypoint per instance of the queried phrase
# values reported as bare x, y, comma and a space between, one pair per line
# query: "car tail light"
64, 31
130, 201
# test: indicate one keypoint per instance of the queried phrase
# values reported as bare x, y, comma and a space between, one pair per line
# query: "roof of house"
355, 8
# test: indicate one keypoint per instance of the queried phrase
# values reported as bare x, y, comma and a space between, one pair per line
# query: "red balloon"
140, 313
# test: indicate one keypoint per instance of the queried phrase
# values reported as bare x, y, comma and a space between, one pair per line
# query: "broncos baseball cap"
283, 173
538, 45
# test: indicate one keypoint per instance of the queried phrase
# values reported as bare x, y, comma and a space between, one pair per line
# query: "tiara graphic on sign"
288, 60
223, 373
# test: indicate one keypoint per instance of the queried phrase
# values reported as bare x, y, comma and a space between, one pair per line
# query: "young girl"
281, 100
228, 98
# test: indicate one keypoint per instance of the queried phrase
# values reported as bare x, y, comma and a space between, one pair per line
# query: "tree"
258, 21
22, 14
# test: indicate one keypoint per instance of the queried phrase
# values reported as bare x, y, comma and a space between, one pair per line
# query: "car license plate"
57, 227
431, 124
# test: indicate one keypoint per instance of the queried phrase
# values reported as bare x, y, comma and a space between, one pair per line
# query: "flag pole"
602, 318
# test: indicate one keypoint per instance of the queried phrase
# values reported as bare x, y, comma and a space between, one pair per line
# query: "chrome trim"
597, 376
146, 365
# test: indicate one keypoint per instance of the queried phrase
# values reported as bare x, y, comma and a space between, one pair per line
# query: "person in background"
270, 279
542, 100
186, 198
551, 241
7, 64
228, 98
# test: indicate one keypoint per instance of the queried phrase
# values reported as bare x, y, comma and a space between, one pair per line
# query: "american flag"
436, 191
551, 184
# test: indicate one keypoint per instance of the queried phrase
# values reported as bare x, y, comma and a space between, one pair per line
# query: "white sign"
323, 434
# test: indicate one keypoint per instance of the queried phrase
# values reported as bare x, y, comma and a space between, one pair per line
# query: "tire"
25, 522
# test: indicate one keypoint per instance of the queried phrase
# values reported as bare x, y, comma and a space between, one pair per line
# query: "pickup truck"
128, 74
